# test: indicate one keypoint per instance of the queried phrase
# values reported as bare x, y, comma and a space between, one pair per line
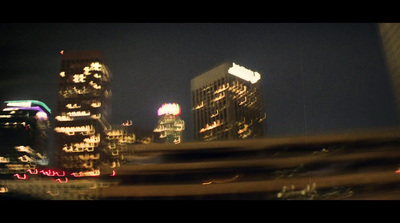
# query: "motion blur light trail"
347, 166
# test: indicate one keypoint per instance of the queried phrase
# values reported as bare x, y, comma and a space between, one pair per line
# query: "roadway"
352, 166
346, 166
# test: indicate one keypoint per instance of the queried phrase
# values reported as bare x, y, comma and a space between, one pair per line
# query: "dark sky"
317, 77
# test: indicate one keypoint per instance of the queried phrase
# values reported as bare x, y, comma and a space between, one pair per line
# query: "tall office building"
24, 135
83, 112
390, 36
227, 103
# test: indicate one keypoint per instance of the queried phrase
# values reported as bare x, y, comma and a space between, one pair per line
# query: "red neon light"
113, 173
50, 173
60, 181
58, 174
21, 178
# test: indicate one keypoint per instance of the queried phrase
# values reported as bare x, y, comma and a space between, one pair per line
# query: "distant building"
170, 125
24, 135
390, 36
121, 137
227, 103
83, 112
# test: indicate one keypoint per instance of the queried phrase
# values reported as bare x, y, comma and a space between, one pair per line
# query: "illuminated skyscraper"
169, 125
83, 111
390, 36
24, 133
227, 103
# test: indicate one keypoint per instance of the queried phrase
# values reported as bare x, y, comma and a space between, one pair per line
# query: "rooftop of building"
83, 54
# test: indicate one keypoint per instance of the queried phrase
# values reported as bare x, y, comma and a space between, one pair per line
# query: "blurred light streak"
60, 181
221, 181
49, 172
3, 189
4, 159
94, 173
127, 123
53, 195
35, 171
21, 178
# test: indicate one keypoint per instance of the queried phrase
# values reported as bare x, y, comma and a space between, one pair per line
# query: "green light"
34, 102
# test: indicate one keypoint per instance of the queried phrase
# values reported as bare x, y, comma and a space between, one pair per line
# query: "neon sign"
27, 103
169, 109
244, 73
19, 103
24, 177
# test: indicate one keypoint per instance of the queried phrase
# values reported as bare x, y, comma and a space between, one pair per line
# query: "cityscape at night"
199, 111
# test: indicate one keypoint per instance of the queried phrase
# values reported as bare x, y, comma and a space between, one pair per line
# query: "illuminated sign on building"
27, 103
244, 73
26, 147
169, 125
169, 109
41, 115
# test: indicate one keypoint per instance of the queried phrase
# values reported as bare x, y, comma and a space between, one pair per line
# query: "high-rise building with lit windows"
83, 112
170, 125
227, 103
24, 135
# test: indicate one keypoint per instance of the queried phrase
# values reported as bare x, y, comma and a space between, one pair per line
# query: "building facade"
24, 135
122, 137
390, 37
227, 103
83, 113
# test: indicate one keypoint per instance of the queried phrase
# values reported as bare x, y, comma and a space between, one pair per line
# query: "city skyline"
317, 78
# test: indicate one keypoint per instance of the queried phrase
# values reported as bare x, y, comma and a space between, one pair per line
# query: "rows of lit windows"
210, 112
83, 91
211, 109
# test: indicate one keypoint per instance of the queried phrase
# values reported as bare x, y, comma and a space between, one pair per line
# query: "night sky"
317, 77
